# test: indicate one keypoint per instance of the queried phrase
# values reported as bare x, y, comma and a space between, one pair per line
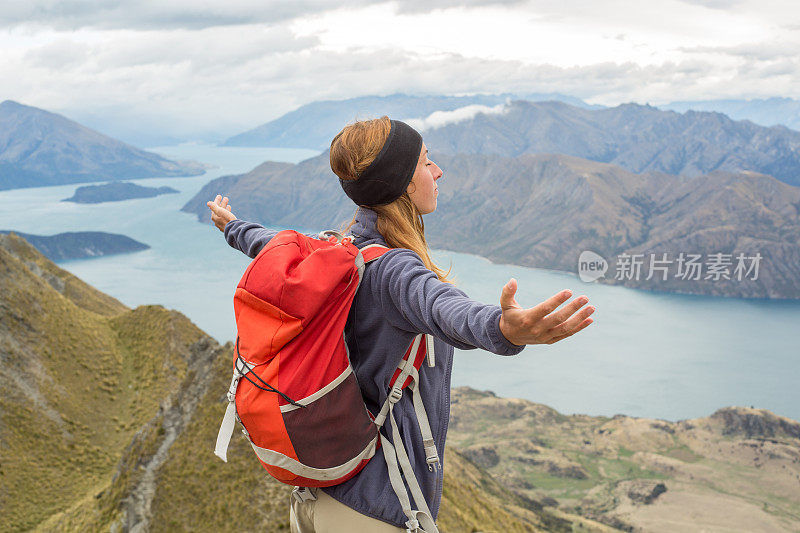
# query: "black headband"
388, 176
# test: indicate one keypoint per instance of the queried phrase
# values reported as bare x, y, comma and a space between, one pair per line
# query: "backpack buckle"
431, 454
395, 394
412, 526
231, 395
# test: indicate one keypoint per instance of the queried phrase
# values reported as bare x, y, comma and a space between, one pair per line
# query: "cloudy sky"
206, 69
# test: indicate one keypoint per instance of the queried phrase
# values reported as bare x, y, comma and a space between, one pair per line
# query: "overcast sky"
196, 68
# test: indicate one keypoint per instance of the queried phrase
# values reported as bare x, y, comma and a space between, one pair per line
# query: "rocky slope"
39, 148
543, 210
737, 470
80, 375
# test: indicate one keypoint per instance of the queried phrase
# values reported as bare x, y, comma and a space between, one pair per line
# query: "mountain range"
637, 138
764, 111
39, 148
544, 210
314, 125
142, 128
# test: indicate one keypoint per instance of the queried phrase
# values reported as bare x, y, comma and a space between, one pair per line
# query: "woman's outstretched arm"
414, 299
247, 237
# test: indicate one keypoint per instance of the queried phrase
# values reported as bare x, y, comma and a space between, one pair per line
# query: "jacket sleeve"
249, 237
413, 299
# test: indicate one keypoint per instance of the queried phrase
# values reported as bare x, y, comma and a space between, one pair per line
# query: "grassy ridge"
81, 375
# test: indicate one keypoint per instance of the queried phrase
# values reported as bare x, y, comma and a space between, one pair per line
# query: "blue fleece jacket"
398, 299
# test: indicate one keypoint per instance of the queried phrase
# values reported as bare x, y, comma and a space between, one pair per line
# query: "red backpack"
293, 388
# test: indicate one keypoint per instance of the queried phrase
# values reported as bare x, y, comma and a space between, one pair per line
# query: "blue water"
647, 354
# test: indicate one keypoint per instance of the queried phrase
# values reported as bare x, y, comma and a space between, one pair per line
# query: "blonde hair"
399, 222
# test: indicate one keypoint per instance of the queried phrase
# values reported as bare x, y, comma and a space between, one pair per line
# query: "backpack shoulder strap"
373, 251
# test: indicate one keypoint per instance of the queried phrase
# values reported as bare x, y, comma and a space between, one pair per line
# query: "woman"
383, 166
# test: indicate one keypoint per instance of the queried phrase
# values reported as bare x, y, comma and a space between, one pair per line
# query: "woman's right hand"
542, 324
220, 212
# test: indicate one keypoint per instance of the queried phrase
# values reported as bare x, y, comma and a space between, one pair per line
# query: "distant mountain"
284, 201
109, 417
543, 210
638, 138
81, 244
115, 192
39, 148
147, 127
314, 125
764, 111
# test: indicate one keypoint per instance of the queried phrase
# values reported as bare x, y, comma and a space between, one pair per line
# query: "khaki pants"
327, 515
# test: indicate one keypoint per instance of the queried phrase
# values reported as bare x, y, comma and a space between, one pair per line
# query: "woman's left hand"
542, 324
220, 212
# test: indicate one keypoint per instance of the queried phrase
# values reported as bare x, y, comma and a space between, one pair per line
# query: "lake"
648, 354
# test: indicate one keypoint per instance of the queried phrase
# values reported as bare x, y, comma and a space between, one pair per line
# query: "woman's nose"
438, 174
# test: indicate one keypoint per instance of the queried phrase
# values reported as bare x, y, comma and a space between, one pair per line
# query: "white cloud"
569, 33
190, 67
437, 119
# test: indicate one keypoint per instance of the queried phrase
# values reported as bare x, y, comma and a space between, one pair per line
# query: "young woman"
383, 166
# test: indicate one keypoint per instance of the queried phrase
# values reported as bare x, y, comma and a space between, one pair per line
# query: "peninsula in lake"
544, 210
81, 244
115, 192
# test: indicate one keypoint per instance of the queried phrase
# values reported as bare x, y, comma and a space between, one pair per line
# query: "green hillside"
81, 375
108, 418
